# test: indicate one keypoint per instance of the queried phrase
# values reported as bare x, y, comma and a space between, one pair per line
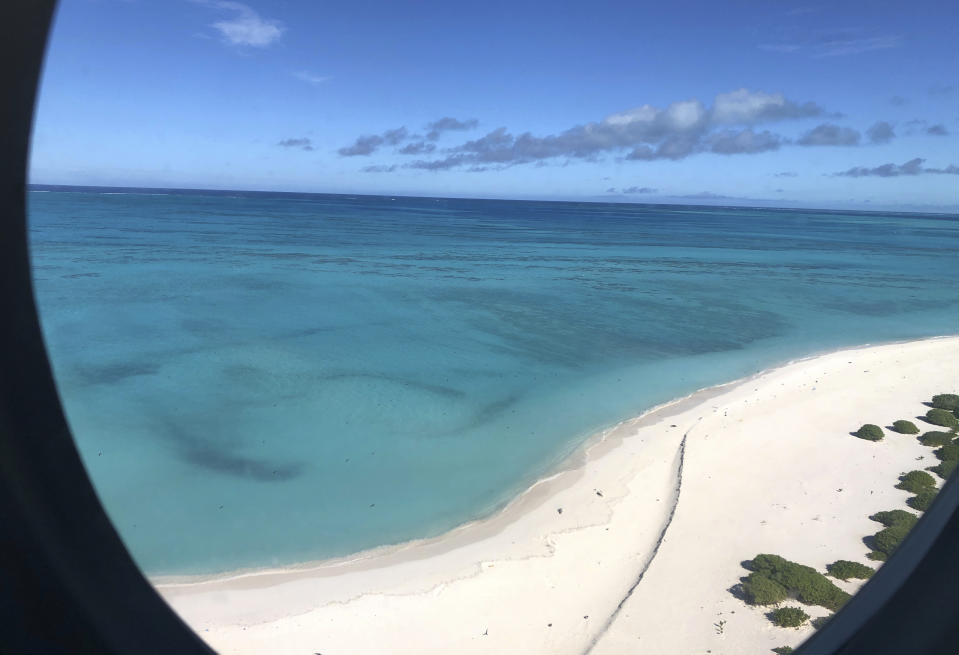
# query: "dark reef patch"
236, 465
113, 373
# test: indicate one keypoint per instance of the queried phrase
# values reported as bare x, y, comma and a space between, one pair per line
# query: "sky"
833, 104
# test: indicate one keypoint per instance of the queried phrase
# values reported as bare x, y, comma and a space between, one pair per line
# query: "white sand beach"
676, 499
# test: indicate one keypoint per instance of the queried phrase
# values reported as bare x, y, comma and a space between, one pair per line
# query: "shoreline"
599, 554
512, 510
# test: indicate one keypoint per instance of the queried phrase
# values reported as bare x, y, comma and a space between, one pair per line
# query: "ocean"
261, 379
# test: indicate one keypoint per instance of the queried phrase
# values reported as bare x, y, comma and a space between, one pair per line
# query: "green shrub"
942, 417
948, 453
922, 500
819, 622
783, 650
944, 469
905, 427
916, 482
761, 590
844, 570
895, 517
789, 617
877, 556
870, 432
888, 540
936, 438
809, 585
946, 401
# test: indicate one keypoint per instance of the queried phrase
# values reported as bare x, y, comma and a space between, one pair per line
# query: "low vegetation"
887, 541
942, 417
788, 617
761, 590
773, 579
807, 584
844, 570
895, 517
948, 401
916, 482
944, 469
922, 500
783, 650
905, 427
899, 522
870, 432
936, 438
948, 453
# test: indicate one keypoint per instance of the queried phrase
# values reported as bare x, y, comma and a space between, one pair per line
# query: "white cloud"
644, 114
686, 115
310, 78
743, 106
834, 43
739, 107
780, 47
246, 28
854, 46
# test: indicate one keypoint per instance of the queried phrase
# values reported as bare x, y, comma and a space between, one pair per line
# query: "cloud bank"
448, 124
632, 190
881, 132
417, 148
302, 143
829, 134
911, 167
643, 133
368, 143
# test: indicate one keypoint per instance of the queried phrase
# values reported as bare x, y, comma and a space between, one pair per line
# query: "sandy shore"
675, 500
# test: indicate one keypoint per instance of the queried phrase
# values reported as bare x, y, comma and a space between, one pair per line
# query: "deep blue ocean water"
257, 379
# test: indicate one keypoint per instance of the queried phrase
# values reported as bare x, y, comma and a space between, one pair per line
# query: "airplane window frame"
67, 582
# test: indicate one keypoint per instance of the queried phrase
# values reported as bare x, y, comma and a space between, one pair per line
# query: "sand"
657, 516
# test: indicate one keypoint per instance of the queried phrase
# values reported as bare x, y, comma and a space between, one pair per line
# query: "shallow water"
257, 379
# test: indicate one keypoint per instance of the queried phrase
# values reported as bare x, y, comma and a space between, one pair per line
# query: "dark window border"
67, 583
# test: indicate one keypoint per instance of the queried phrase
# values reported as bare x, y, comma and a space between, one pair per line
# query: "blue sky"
792, 104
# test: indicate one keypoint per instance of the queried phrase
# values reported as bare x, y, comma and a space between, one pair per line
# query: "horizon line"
680, 201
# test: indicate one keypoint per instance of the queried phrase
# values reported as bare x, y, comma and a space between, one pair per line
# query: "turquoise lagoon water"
257, 379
